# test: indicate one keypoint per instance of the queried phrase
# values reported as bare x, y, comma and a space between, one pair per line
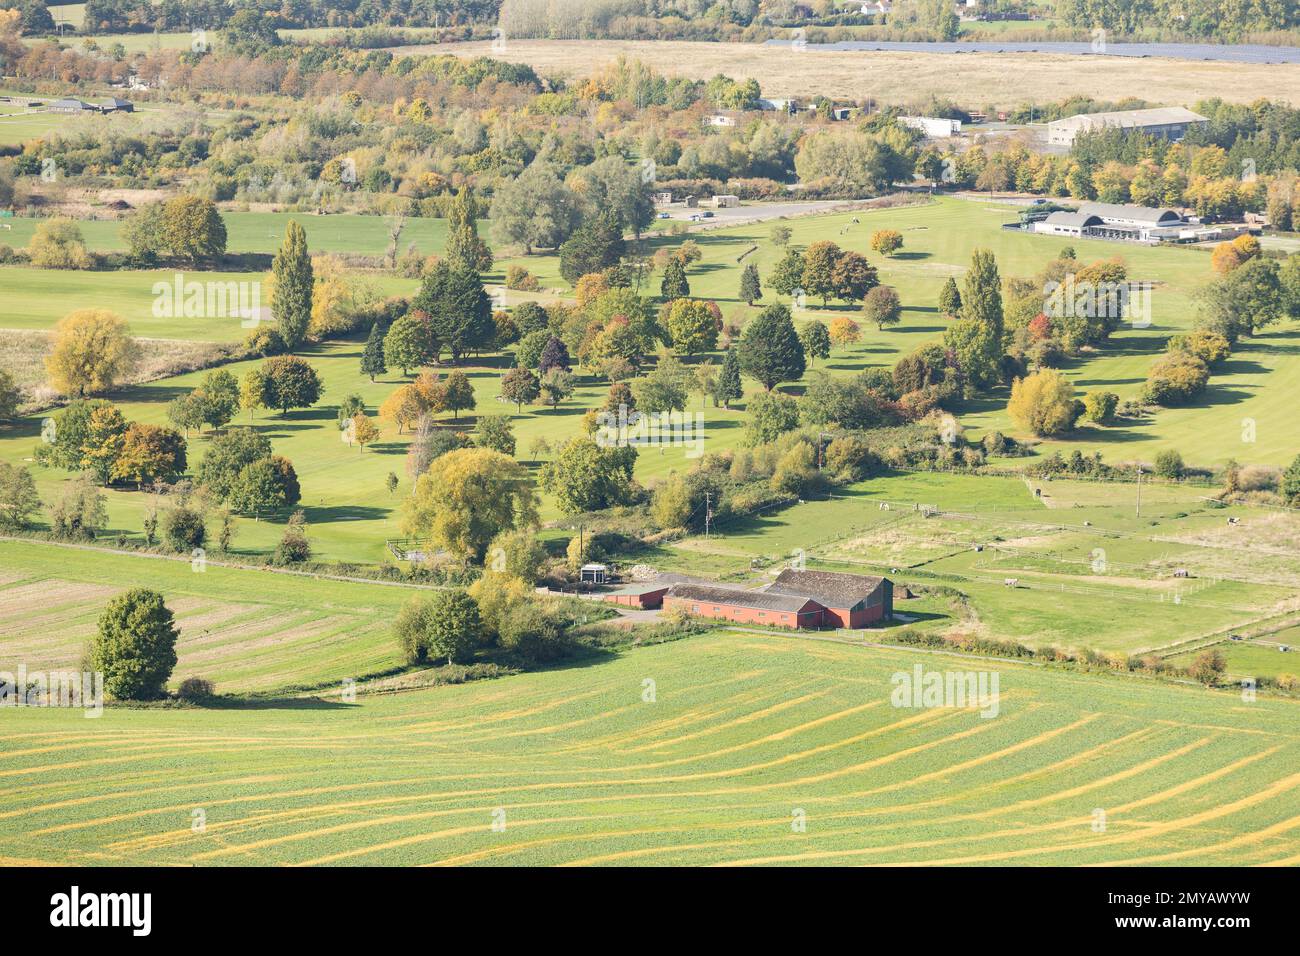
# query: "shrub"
1208, 667
1044, 403
1210, 347
1258, 478
1169, 464
294, 548
183, 529
1175, 379
521, 280
1100, 407
196, 688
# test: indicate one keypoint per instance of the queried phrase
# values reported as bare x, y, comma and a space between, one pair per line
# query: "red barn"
650, 594
745, 606
849, 600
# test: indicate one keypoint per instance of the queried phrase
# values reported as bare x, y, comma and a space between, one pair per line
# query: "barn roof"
740, 597
659, 582
831, 588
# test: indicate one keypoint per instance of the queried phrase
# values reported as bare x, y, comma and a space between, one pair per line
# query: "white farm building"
1171, 122
933, 126
1097, 220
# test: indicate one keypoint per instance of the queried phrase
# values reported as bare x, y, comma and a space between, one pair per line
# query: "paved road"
1244, 53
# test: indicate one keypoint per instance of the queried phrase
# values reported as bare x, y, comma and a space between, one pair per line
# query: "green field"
246, 630
19, 123
1239, 416
264, 231
939, 238
1258, 658
746, 735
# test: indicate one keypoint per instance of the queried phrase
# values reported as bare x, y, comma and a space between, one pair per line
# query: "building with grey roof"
1170, 122
1115, 221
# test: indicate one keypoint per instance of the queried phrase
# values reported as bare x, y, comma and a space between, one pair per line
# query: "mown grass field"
745, 735
247, 630
1242, 414
264, 232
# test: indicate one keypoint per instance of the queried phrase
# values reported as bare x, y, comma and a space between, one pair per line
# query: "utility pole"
1139, 498
708, 512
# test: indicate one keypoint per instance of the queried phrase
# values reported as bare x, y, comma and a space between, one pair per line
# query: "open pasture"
245, 630
1095, 577
748, 737
263, 232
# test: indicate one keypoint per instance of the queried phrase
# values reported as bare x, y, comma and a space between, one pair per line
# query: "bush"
183, 529
196, 688
1044, 403
294, 548
1169, 464
1099, 407
1258, 478
1208, 667
1209, 347
521, 280
536, 634
1175, 379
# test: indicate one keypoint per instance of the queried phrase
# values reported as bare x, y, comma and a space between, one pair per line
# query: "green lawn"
1258, 658
18, 123
746, 735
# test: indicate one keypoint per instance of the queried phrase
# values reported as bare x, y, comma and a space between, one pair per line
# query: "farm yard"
746, 732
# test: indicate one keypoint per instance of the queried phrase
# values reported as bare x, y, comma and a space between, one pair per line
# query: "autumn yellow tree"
334, 298
58, 244
1044, 403
364, 431
844, 331
403, 407
468, 497
432, 391
91, 353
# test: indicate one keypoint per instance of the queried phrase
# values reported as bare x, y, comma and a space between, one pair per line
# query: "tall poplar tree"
291, 301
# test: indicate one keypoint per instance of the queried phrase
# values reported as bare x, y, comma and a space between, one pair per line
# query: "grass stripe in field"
952, 785
498, 792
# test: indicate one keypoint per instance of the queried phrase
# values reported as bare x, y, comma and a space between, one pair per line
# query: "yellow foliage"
92, 351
